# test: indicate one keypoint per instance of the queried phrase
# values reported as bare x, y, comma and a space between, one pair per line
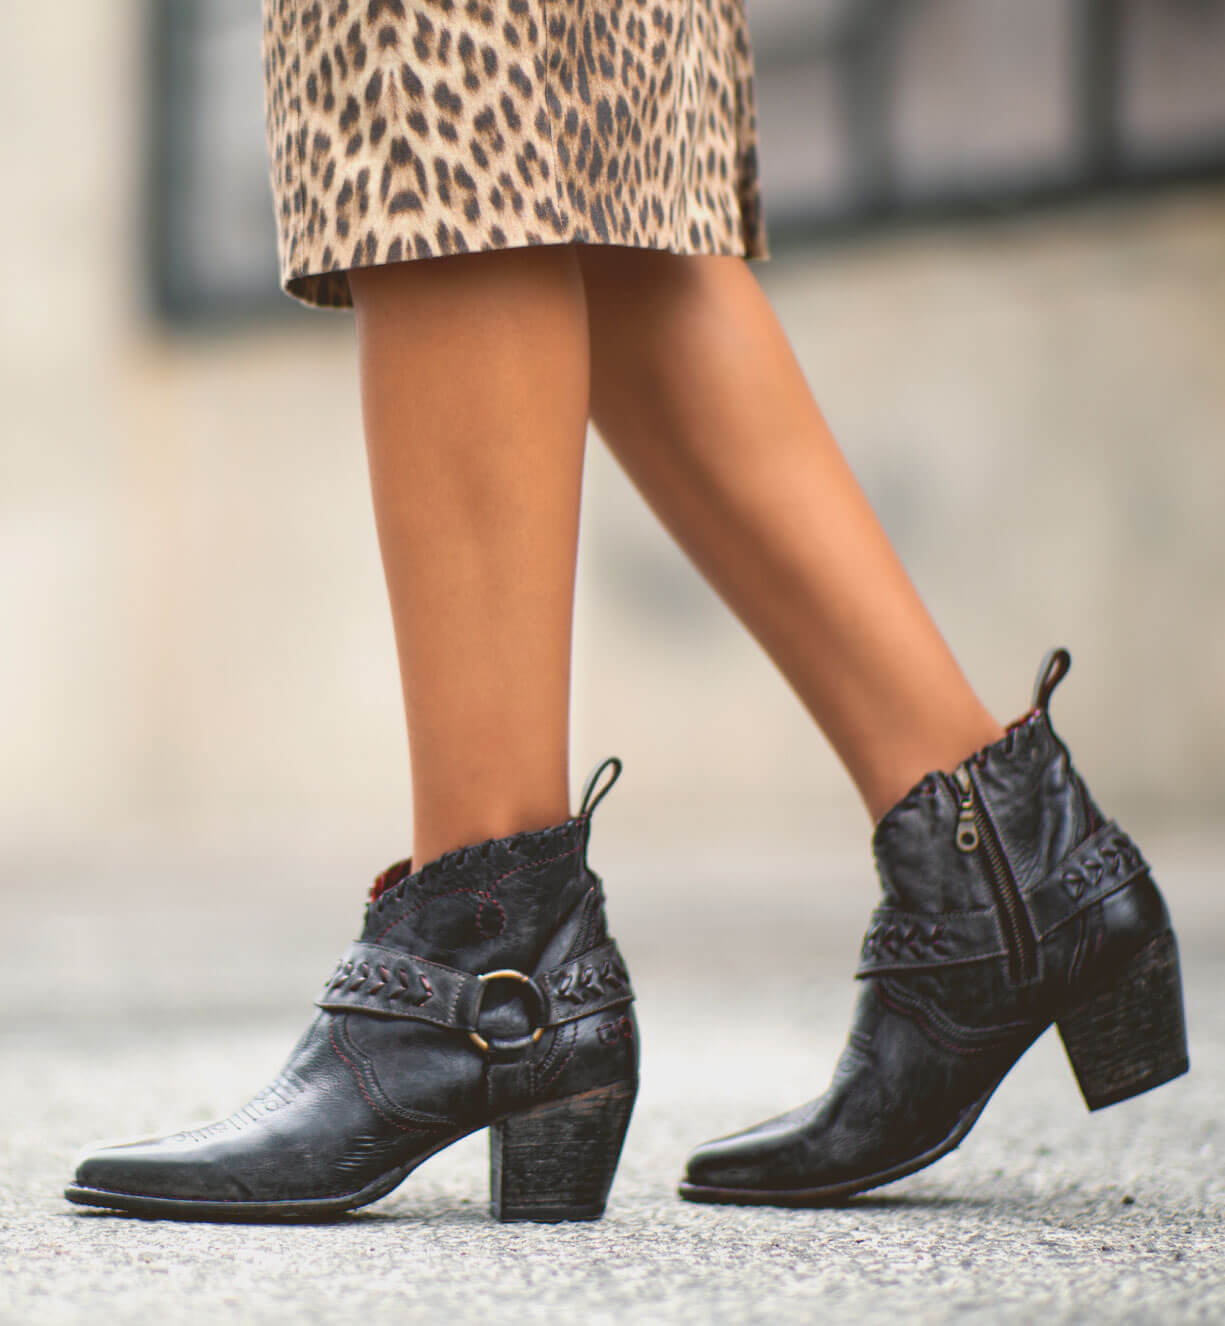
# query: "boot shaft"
1006, 873
503, 902
1017, 806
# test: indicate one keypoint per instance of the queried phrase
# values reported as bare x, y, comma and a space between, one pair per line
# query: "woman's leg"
474, 392
695, 389
474, 382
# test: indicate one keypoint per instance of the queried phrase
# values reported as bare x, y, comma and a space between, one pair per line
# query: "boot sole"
1124, 1038
550, 1163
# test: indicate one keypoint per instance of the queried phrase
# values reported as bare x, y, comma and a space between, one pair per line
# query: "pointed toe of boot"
723, 1162
128, 1174
725, 1165
780, 1156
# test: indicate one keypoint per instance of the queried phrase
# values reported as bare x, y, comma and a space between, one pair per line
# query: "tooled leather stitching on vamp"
953, 1034
408, 1121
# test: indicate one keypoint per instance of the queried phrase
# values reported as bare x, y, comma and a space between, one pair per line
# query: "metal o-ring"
505, 974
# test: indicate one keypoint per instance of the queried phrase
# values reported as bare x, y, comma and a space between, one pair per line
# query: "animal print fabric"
402, 129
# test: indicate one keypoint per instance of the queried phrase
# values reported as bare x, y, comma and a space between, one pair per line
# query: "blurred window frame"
853, 43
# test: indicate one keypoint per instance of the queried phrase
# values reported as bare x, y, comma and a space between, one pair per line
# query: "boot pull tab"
589, 803
1051, 671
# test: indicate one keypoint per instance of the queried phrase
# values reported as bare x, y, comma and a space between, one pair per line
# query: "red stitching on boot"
1027, 717
531, 865
483, 894
912, 1016
555, 1070
403, 1127
425, 902
490, 901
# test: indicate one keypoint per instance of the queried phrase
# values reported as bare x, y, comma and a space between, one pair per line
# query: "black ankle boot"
484, 992
1010, 902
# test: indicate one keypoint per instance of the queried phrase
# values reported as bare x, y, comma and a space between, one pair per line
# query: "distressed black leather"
391, 1070
946, 1006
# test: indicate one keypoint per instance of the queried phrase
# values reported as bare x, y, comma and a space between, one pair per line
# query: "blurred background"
998, 235
998, 239
999, 248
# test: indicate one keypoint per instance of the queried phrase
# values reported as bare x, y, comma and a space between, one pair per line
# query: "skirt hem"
329, 288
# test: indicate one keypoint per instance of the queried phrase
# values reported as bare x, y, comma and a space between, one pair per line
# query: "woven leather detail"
898, 940
377, 971
372, 978
587, 984
1102, 864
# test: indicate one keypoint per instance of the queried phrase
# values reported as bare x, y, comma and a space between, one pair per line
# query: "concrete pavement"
147, 1001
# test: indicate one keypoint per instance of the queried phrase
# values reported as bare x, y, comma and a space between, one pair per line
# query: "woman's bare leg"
697, 392
474, 382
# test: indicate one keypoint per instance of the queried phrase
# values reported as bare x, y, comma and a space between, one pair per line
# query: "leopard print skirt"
402, 129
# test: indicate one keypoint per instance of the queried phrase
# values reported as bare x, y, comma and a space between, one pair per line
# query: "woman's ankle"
435, 833
884, 783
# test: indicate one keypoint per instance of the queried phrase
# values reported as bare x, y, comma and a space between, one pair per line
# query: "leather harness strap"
388, 982
898, 940
1105, 862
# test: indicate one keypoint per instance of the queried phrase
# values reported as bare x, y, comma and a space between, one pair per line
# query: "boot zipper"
975, 830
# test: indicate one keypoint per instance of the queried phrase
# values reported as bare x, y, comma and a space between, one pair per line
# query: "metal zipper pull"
967, 825
974, 828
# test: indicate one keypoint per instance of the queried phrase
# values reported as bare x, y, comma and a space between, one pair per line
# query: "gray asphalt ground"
149, 998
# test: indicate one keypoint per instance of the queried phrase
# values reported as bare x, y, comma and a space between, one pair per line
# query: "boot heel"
557, 1160
1131, 1037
